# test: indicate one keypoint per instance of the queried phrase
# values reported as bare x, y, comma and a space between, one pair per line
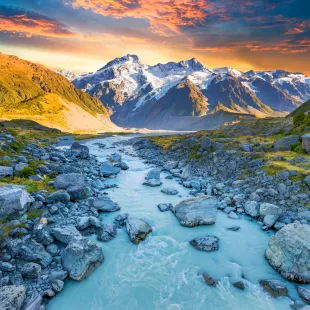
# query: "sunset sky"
82, 35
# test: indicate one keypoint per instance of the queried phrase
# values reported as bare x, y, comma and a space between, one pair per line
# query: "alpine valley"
187, 95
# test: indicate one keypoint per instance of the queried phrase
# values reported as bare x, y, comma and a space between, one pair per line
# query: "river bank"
162, 272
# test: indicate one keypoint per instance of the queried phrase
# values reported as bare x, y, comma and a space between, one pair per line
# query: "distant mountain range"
32, 92
187, 95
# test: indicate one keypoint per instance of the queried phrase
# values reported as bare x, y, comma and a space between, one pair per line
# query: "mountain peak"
121, 60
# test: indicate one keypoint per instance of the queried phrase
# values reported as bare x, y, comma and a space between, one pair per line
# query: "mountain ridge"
126, 87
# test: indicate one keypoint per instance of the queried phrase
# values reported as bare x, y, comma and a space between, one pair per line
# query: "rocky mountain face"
68, 74
31, 91
139, 95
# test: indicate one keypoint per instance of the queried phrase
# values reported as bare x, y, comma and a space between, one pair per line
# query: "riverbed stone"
63, 181
275, 288
30, 251
137, 229
79, 150
163, 207
78, 192
288, 252
105, 204
269, 209
209, 280
206, 244
239, 285
251, 208
107, 232
80, 257
197, 211
12, 297
304, 294
206, 143
107, 170
169, 191
31, 270
14, 200
65, 233
59, 196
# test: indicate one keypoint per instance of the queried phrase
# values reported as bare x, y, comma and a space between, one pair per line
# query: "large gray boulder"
79, 151
152, 178
63, 181
251, 208
206, 244
6, 171
288, 252
105, 204
286, 143
12, 297
65, 233
306, 142
30, 251
80, 257
107, 170
14, 199
137, 229
197, 211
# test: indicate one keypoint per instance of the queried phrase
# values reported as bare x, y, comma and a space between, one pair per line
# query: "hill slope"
31, 91
304, 108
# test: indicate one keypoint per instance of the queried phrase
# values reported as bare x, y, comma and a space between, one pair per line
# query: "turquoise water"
163, 272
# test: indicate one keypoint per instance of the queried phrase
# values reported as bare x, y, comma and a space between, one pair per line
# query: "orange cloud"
165, 16
34, 26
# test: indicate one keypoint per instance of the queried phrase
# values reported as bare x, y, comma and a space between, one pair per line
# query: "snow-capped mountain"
68, 74
140, 95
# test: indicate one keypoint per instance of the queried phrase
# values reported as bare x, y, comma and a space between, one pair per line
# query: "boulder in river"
14, 199
239, 285
12, 297
105, 204
209, 280
107, 170
169, 191
152, 178
288, 252
107, 232
65, 233
206, 244
137, 229
274, 287
304, 294
197, 211
163, 207
80, 257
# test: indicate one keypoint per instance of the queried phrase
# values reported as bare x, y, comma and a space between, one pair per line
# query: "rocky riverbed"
155, 239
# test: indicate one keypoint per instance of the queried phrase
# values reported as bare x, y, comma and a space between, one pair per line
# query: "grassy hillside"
31, 91
304, 108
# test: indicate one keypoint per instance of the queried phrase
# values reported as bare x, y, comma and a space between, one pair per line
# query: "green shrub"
16, 146
26, 172
298, 119
33, 214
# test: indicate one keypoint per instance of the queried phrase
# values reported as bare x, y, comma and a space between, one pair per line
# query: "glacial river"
163, 272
